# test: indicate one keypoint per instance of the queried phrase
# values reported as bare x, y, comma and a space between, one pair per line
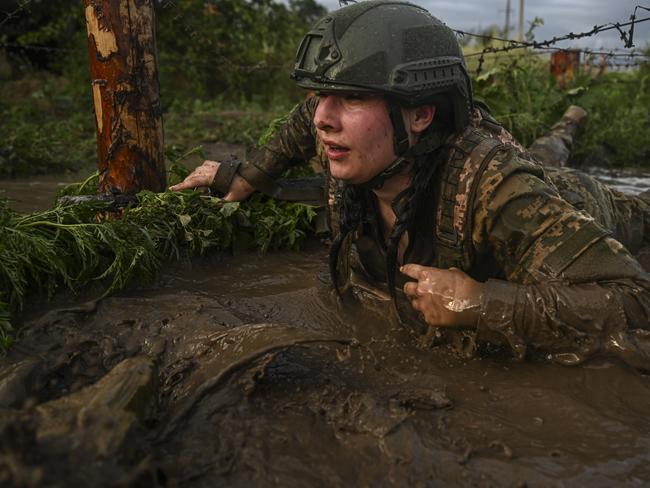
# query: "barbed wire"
534, 47
626, 37
22, 5
33, 47
586, 52
590, 64
616, 54
632, 18
541, 51
618, 65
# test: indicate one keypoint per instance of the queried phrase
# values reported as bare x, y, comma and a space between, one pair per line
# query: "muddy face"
245, 371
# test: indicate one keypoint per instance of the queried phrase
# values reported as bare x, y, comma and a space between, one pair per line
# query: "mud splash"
243, 371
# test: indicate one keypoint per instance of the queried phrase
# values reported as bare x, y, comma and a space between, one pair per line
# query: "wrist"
472, 311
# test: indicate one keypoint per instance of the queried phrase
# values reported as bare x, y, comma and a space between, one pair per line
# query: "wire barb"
547, 45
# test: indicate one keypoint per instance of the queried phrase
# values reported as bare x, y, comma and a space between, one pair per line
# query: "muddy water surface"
38, 192
245, 371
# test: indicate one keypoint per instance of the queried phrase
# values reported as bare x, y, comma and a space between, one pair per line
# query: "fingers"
416, 304
189, 182
202, 176
411, 289
419, 272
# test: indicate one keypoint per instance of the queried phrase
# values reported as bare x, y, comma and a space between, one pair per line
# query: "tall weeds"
526, 99
68, 247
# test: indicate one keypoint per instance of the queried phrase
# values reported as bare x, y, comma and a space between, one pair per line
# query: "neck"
385, 197
394, 186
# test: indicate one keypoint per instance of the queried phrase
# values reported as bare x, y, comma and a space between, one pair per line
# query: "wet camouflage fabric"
554, 148
568, 288
557, 281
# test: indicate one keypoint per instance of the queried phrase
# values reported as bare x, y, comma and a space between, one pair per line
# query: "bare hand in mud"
203, 176
444, 297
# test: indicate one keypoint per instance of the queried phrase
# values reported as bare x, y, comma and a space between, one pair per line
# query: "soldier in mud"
430, 197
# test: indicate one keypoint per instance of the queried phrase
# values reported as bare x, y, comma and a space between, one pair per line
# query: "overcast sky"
560, 17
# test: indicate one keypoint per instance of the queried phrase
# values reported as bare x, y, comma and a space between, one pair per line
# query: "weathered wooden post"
565, 65
126, 94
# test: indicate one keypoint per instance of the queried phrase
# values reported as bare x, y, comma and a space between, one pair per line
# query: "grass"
74, 246
525, 98
618, 132
47, 125
197, 121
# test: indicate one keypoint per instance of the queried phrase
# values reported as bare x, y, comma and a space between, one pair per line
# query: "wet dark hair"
415, 200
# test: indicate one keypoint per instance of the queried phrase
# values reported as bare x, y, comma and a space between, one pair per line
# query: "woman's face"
357, 135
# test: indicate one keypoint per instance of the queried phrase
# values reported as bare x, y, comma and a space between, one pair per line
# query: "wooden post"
126, 95
565, 65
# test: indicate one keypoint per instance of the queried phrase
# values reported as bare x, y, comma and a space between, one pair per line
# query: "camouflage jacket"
557, 281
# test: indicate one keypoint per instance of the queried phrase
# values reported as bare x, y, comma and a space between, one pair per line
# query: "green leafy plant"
68, 246
522, 94
527, 100
618, 130
45, 128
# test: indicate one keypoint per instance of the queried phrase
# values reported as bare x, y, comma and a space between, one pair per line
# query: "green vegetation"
49, 129
526, 99
224, 68
46, 127
618, 132
69, 246
198, 122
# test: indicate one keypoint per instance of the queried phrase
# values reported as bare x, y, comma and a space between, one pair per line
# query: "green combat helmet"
394, 48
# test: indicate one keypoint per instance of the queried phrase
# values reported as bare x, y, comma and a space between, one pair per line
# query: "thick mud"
246, 372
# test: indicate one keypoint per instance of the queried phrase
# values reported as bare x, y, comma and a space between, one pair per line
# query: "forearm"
571, 290
570, 322
293, 142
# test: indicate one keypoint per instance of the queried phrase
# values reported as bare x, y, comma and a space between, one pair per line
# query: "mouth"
335, 151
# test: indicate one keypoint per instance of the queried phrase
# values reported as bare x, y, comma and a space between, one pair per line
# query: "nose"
327, 115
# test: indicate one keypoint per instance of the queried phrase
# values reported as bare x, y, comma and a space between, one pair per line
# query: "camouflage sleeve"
293, 142
569, 289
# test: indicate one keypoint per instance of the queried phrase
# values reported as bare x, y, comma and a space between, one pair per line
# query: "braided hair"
351, 215
423, 187
416, 200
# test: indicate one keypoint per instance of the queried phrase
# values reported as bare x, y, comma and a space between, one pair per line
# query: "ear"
419, 118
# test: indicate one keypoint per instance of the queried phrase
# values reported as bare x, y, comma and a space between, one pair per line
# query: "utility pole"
520, 30
506, 30
126, 95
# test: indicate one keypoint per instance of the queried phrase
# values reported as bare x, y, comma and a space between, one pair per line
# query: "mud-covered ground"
244, 371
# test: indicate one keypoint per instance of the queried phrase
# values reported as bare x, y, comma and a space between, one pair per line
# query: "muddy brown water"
245, 371
38, 192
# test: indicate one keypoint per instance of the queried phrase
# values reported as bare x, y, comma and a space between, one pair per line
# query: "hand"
203, 176
444, 297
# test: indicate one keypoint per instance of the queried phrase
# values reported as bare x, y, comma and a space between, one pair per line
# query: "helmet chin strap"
427, 142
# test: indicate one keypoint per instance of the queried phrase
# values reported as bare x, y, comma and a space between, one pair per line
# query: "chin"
339, 174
